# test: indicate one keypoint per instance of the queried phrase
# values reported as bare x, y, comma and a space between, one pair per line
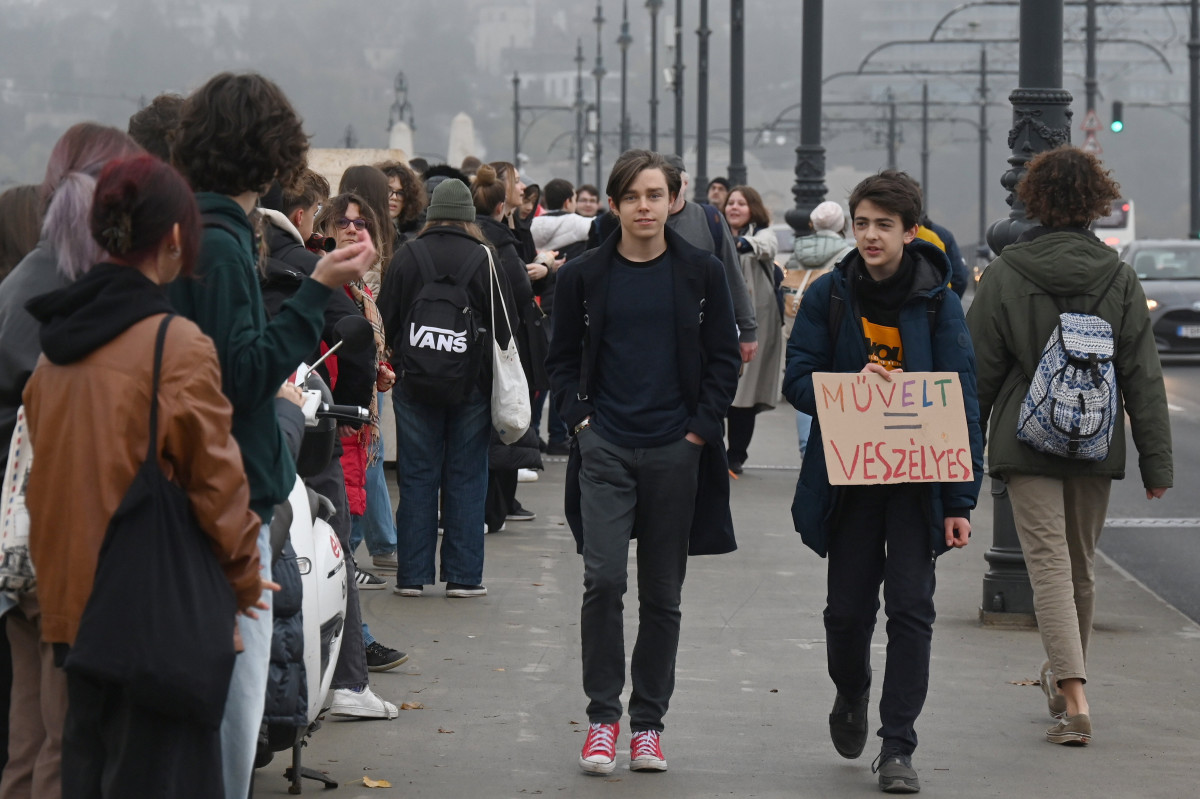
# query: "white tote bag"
16, 568
510, 391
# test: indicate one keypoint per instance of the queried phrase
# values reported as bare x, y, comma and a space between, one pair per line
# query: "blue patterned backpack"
1071, 406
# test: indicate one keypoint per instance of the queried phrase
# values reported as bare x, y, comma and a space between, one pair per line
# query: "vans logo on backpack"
437, 338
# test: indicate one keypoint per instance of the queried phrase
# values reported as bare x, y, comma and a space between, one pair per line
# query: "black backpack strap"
420, 251
159, 343
467, 271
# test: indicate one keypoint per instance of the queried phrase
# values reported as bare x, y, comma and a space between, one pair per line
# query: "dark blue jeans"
441, 447
882, 537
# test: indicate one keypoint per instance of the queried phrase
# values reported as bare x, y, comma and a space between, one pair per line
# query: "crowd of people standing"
161, 287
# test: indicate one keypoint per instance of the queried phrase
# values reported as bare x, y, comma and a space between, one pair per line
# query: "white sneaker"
362, 704
526, 476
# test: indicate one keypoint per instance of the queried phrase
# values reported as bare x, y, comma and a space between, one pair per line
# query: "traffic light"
1118, 117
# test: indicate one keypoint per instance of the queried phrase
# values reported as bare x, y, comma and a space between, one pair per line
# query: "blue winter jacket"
816, 505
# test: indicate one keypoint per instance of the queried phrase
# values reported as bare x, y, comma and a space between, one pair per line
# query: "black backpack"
441, 342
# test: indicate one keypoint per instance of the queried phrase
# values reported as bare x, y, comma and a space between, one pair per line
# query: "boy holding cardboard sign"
883, 309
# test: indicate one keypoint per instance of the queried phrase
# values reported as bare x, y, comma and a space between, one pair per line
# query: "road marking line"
1152, 522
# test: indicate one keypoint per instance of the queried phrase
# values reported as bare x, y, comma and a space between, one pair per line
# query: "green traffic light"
1117, 126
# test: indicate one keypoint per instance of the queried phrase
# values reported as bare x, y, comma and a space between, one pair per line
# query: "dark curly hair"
154, 126
412, 191
1067, 187
237, 133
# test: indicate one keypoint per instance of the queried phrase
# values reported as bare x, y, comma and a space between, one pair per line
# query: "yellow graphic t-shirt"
883, 344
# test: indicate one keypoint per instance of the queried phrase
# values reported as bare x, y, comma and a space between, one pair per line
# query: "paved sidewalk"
503, 713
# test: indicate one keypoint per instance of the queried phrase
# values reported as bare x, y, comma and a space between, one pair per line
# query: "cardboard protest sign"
911, 430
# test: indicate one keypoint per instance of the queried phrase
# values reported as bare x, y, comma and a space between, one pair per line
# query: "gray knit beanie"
451, 202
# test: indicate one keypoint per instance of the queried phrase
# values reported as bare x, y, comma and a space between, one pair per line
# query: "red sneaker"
599, 755
645, 752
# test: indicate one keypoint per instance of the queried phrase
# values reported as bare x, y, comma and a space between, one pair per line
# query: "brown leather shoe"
1071, 730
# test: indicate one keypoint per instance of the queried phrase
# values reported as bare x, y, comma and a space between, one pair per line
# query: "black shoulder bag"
160, 619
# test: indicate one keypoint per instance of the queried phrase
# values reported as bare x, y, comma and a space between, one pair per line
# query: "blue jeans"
248, 689
376, 525
803, 426
442, 447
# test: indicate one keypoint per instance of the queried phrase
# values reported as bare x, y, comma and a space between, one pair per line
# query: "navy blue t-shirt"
636, 393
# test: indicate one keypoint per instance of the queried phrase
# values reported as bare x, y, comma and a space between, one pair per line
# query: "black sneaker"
519, 513
367, 581
382, 658
896, 774
848, 725
558, 448
462, 590
737, 467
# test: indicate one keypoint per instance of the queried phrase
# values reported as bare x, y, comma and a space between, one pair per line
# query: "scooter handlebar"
347, 414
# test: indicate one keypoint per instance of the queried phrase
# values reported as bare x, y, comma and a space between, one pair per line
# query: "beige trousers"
1059, 523
38, 711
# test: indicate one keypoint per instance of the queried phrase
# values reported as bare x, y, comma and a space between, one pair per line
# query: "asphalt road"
1159, 542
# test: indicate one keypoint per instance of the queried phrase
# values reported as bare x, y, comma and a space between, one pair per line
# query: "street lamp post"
654, 7
1194, 119
983, 142
809, 189
580, 112
623, 42
516, 84
598, 74
737, 93
702, 34
891, 130
1041, 121
679, 77
925, 142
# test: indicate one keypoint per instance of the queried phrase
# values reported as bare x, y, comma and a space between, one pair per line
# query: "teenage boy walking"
644, 363
885, 307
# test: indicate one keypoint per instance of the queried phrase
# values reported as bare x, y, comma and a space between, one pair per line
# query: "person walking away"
97, 381
237, 134
644, 364
443, 397
1059, 503
812, 257
758, 387
884, 308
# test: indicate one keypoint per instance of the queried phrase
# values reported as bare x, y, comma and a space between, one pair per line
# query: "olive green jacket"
1013, 315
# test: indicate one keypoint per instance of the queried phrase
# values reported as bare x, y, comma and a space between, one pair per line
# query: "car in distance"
1169, 270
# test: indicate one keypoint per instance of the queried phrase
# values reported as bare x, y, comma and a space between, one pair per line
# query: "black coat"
707, 354
288, 263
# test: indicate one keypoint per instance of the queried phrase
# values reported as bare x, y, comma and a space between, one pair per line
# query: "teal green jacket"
1012, 317
223, 297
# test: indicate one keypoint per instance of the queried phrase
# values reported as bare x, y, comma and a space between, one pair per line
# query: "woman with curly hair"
406, 200
1059, 503
237, 134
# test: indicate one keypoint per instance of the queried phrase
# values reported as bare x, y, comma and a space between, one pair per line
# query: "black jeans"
650, 493
113, 748
351, 668
882, 537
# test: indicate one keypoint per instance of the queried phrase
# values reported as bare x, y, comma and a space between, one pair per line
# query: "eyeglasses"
343, 223
397, 194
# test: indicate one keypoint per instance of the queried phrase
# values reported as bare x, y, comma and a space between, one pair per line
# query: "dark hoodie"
94, 310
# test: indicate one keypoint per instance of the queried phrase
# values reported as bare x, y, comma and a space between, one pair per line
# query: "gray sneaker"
896, 774
1071, 730
1056, 703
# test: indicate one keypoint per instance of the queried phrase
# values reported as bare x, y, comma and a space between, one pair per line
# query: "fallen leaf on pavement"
412, 706
1024, 682
370, 783
497, 669
539, 584
445, 732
